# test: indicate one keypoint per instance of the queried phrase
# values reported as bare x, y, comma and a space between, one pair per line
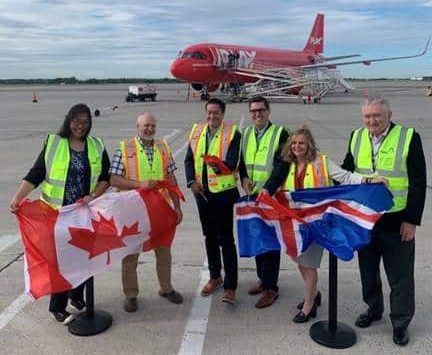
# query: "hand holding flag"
65, 247
340, 218
215, 162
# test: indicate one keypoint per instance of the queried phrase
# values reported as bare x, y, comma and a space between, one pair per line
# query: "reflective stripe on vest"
259, 158
219, 146
57, 158
137, 166
391, 160
316, 175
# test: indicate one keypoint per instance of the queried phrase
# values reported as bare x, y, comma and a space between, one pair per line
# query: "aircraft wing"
364, 61
327, 59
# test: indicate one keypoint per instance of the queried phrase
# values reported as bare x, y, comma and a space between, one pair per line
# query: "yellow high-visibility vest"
136, 163
316, 175
57, 158
391, 160
259, 158
219, 146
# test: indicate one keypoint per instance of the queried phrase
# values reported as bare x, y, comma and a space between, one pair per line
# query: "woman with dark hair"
72, 165
309, 169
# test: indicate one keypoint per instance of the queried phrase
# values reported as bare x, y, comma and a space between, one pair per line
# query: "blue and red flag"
340, 218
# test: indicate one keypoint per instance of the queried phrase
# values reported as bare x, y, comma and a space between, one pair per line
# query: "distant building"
422, 78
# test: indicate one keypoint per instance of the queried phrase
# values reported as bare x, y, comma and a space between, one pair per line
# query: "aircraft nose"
177, 69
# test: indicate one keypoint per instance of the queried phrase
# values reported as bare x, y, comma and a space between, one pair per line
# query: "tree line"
74, 81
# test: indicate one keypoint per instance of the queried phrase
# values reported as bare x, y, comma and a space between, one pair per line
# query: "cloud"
136, 38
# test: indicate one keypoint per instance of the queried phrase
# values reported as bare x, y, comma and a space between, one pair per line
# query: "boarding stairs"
286, 82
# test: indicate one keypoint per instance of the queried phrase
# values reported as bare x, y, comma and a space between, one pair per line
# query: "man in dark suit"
216, 192
382, 147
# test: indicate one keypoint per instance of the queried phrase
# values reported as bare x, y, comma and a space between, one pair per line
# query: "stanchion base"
343, 338
84, 325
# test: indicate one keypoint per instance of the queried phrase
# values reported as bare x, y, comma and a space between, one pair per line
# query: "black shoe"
364, 320
63, 317
400, 336
130, 304
317, 300
301, 317
78, 306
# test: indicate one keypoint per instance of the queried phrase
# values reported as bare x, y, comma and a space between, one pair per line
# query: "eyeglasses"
80, 122
258, 110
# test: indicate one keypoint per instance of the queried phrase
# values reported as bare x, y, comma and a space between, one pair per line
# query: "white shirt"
342, 176
376, 144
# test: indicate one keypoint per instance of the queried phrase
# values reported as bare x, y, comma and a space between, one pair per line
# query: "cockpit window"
194, 55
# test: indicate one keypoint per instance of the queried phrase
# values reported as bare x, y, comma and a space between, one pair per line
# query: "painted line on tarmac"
13, 309
19, 303
181, 149
196, 324
174, 132
7, 240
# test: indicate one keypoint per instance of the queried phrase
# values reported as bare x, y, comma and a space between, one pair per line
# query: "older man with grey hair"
382, 147
140, 162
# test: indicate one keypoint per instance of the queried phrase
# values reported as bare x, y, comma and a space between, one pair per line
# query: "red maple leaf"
103, 238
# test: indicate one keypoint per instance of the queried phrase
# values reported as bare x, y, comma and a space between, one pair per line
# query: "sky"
140, 38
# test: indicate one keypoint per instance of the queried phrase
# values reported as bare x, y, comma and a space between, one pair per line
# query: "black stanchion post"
90, 322
331, 333
332, 306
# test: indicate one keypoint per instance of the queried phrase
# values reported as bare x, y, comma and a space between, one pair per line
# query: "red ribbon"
214, 160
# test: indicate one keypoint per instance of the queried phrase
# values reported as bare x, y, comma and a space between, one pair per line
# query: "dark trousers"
398, 259
58, 301
268, 265
216, 216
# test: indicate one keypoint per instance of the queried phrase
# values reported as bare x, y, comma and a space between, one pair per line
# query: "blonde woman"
309, 169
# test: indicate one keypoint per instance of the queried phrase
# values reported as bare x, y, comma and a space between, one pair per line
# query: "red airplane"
206, 65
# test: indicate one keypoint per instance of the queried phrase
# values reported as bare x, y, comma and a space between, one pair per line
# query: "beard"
148, 137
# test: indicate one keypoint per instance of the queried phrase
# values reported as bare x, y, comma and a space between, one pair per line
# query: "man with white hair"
149, 159
382, 147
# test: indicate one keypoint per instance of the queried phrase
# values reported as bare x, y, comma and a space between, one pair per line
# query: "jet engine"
209, 87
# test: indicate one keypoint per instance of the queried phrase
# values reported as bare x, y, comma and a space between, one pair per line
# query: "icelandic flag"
65, 247
339, 218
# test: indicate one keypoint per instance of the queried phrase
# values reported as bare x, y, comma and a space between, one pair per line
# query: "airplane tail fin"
315, 43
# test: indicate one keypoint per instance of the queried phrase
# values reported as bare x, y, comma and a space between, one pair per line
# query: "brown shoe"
256, 289
173, 296
211, 286
267, 299
130, 305
229, 296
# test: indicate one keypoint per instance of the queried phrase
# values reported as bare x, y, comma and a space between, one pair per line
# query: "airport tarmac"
199, 325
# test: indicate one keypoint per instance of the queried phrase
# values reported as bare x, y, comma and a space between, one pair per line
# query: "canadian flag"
65, 247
